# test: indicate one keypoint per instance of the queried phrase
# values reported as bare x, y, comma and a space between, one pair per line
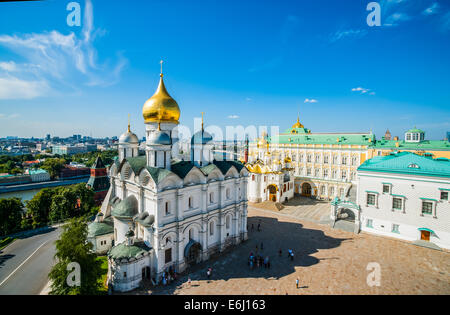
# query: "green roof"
407, 163
99, 228
124, 251
182, 168
158, 174
322, 138
438, 145
126, 209
137, 163
415, 130
208, 169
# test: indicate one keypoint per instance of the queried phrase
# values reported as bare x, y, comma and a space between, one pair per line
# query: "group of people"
169, 276
253, 226
258, 261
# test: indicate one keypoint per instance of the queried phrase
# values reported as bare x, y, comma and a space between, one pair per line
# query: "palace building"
162, 214
324, 165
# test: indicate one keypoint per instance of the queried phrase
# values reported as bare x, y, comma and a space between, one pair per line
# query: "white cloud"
8, 66
14, 88
432, 9
347, 34
363, 91
233, 117
311, 100
57, 60
11, 116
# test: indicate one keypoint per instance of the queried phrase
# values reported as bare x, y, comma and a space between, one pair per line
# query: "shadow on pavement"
275, 235
4, 258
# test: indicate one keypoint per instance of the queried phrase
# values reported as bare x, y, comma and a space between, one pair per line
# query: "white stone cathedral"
162, 214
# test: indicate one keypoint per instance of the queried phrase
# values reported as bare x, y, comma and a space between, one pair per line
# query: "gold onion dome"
161, 107
298, 124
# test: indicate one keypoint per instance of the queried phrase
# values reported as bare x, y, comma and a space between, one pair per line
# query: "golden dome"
298, 124
161, 107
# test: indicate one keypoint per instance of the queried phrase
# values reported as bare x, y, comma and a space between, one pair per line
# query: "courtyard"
326, 261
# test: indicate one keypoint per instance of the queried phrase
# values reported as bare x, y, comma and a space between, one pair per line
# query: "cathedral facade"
164, 213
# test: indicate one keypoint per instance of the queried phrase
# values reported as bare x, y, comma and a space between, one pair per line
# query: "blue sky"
241, 62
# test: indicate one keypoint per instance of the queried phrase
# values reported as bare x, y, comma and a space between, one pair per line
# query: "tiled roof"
124, 251
126, 209
322, 138
408, 163
423, 145
99, 228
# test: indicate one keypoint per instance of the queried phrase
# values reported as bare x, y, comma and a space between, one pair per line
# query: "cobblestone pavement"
327, 261
300, 207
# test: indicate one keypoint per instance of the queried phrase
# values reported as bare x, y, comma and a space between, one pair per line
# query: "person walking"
259, 227
208, 273
292, 256
297, 283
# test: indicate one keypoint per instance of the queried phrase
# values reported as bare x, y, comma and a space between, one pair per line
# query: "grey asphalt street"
25, 264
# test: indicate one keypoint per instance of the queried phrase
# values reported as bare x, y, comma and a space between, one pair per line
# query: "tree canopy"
74, 247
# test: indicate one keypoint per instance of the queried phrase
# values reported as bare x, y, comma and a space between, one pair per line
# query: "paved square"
326, 261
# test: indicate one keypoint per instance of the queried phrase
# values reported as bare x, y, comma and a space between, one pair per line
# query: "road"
25, 264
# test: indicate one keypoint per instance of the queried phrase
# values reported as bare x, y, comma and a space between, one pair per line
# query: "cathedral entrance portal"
306, 190
272, 193
192, 252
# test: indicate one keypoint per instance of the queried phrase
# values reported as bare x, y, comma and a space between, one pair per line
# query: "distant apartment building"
38, 175
73, 149
41, 147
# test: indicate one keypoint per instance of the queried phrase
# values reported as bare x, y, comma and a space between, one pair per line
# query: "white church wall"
120, 229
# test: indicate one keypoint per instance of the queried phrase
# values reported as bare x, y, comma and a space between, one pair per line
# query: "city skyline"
268, 64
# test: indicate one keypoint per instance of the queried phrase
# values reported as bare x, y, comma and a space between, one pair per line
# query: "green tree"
10, 215
86, 197
53, 166
64, 204
74, 247
38, 208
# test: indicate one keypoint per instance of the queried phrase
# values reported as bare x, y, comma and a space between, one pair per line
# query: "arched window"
168, 240
191, 234
228, 193
228, 222
211, 197
191, 203
211, 228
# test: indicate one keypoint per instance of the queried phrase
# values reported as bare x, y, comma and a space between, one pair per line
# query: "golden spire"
297, 124
161, 107
129, 129
202, 120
